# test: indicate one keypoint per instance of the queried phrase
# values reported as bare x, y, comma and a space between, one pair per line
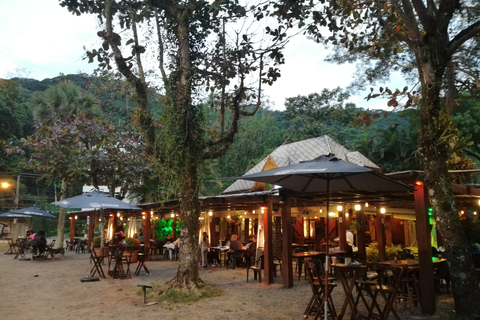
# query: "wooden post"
72, 228
427, 282
268, 248
388, 230
146, 233
287, 244
213, 237
380, 235
91, 224
342, 230
361, 237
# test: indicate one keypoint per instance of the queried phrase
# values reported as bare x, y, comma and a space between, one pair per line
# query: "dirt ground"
37, 290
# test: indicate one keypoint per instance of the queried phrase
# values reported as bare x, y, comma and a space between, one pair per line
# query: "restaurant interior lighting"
366, 204
118, 214
5, 185
172, 215
339, 208
358, 207
210, 213
382, 210
332, 214
228, 217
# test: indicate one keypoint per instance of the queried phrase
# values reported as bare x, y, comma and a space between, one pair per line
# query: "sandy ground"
53, 290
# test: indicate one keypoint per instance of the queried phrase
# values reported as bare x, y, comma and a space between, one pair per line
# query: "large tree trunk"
61, 218
187, 156
432, 60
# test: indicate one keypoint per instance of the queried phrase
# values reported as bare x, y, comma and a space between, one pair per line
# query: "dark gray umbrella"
327, 174
14, 215
33, 211
96, 200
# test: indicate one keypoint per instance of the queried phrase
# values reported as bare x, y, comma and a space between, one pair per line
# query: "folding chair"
12, 247
22, 247
317, 284
142, 257
48, 250
97, 264
389, 295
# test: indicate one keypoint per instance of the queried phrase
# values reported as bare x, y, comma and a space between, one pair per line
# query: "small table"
300, 256
223, 250
348, 276
402, 263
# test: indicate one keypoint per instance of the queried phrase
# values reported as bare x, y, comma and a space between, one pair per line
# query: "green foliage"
85, 150
96, 242
185, 297
132, 242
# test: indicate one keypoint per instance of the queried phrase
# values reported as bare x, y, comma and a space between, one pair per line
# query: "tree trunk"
432, 60
187, 149
61, 218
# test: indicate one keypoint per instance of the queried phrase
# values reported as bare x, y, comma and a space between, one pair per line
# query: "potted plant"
96, 247
132, 247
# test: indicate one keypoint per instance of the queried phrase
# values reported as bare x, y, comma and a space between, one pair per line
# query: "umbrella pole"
327, 268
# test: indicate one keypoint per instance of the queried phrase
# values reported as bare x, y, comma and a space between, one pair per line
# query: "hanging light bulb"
339, 208
366, 204
358, 207
382, 210
210, 213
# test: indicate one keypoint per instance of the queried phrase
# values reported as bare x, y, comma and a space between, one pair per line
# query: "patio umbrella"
14, 215
33, 211
328, 174
96, 200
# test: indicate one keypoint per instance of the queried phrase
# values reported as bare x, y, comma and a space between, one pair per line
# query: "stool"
409, 288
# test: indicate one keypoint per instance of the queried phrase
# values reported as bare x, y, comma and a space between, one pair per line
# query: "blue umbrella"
13, 215
96, 200
33, 211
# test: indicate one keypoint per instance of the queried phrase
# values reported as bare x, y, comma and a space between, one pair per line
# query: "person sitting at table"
168, 239
250, 249
30, 236
172, 247
141, 238
119, 235
39, 243
236, 248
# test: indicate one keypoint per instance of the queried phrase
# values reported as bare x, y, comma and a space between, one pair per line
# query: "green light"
430, 211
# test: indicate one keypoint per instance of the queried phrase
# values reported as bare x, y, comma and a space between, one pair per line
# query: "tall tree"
61, 102
207, 52
433, 33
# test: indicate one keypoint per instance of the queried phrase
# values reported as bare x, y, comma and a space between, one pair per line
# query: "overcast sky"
44, 40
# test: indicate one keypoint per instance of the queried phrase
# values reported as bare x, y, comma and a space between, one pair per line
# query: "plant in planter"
96, 247
132, 247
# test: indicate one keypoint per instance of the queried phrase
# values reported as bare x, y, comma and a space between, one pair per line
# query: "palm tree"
63, 101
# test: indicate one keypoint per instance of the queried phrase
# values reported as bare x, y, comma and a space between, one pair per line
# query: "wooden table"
348, 276
402, 263
300, 256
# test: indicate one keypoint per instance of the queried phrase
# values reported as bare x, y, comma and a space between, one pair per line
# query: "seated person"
39, 243
236, 248
30, 236
118, 236
212, 257
141, 238
172, 247
250, 249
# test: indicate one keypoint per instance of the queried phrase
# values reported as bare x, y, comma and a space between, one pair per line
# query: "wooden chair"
142, 258
317, 283
97, 264
256, 268
389, 293
48, 250
236, 258
12, 247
